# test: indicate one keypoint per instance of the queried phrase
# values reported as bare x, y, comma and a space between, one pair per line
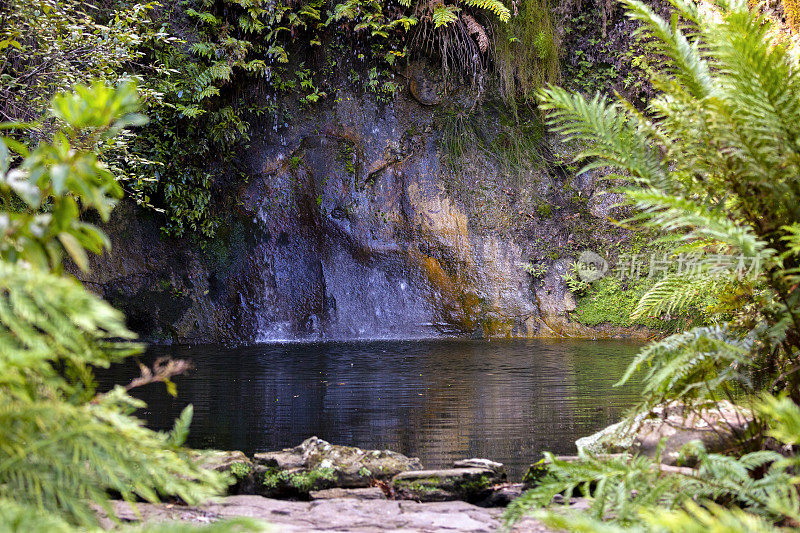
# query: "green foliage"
516, 148
536, 270
603, 59
444, 15
613, 301
209, 69
241, 470
713, 163
703, 364
618, 485
64, 447
299, 481
51, 45
54, 177
493, 6
527, 51
638, 493
574, 281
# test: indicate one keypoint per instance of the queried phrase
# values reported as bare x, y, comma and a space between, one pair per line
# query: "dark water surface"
437, 400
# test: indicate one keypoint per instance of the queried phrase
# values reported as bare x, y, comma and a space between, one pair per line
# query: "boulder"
316, 465
488, 464
720, 426
371, 493
502, 495
235, 463
467, 484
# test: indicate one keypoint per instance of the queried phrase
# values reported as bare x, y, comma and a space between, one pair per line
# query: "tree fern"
617, 141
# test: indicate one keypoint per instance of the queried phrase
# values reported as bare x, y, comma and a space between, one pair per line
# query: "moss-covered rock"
535, 473
317, 465
468, 484
235, 463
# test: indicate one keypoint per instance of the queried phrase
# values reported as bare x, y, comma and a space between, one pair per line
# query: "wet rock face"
350, 227
317, 465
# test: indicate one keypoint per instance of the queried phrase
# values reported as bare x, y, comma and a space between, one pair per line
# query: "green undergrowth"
527, 51
209, 71
241, 470
510, 136
613, 299
300, 481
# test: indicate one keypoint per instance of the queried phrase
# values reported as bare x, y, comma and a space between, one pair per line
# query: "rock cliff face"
350, 226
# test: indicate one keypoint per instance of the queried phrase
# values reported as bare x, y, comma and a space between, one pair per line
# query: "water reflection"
438, 400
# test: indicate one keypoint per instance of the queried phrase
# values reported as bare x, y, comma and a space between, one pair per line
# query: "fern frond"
710, 517
675, 292
694, 365
674, 213
616, 140
784, 417
346, 10
444, 14
44, 317
207, 50
204, 16
686, 63
496, 7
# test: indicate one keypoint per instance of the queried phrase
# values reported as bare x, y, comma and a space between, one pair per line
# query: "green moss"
527, 51
241, 470
425, 481
347, 157
535, 473
475, 485
465, 487
544, 210
300, 481
611, 301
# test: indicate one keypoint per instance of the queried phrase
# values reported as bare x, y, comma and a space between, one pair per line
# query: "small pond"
439, 400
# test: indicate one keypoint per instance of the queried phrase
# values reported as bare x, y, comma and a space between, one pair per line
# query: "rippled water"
438, 400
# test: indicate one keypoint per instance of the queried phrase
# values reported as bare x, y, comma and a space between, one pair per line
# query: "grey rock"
397, 245
502, 495
719, 426
467, 484
342, 515
235, 463
481, 463
371, 493
316, 465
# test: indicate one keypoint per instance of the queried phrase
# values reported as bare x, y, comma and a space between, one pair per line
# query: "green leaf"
180, 430
75, 250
